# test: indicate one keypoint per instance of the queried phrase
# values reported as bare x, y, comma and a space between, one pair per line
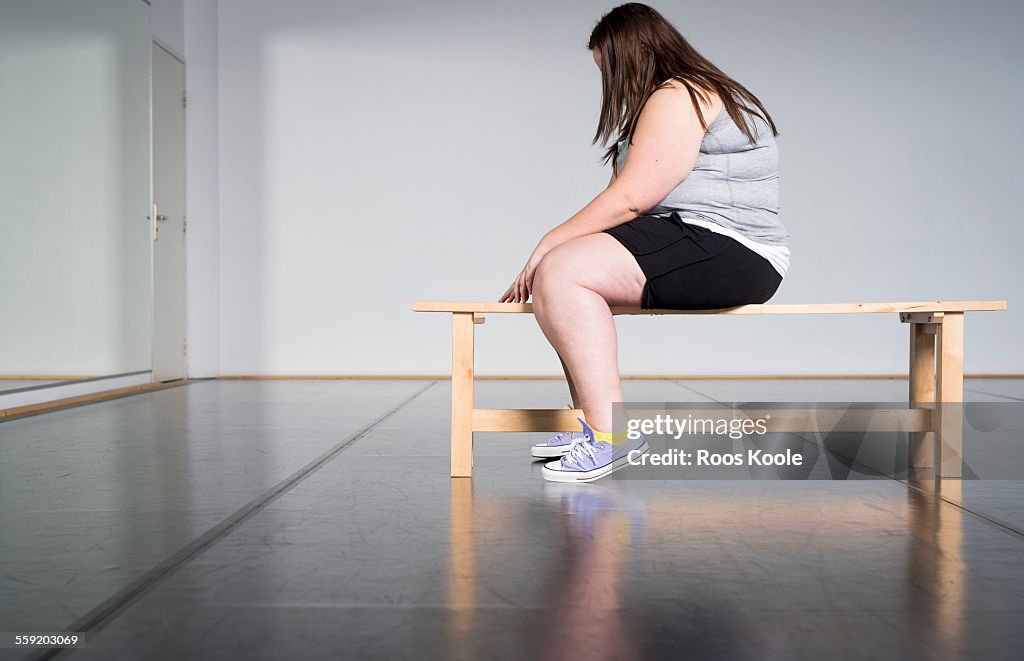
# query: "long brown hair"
639, 49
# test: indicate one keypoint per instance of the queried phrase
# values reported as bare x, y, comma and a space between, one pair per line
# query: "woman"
689, 220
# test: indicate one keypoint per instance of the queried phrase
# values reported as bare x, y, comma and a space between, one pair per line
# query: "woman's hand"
521, 288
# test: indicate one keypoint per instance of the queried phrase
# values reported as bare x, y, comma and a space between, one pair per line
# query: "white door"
168, 216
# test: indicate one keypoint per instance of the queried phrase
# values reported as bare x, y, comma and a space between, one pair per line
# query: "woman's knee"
598, 263
553, 274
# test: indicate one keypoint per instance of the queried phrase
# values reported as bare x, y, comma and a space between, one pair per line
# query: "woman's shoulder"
709, 101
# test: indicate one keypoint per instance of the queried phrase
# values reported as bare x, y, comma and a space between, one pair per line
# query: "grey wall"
377, 153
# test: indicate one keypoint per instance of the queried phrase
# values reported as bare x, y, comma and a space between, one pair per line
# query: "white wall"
373, 154
167, 23
202, 188
75, 268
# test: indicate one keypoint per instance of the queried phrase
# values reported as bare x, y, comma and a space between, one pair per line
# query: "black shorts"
689, 267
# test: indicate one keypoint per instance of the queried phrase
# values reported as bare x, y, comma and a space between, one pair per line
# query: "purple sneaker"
590, 459
557, 446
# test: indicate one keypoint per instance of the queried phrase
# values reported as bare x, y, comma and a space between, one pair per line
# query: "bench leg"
462, 394
922, 391
950, 397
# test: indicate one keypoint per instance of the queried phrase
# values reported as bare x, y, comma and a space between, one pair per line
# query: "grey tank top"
734, 183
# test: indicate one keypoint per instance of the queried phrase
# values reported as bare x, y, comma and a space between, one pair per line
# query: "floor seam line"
994, 394
995, 523
115, 605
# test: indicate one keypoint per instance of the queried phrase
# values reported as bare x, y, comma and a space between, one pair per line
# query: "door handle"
160, 218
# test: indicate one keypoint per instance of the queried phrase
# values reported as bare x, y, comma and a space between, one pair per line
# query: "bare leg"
572, 387
572, 290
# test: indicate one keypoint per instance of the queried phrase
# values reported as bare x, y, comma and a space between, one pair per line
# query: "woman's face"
597, 58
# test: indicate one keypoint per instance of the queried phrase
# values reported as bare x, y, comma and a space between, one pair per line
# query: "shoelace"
576, 455
561, 436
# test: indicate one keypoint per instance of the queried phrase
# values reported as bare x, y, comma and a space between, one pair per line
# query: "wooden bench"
936, 376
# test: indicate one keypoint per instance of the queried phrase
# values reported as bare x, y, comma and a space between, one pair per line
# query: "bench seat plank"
762, 308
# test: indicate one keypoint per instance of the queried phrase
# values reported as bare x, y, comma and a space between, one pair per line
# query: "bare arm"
664, 150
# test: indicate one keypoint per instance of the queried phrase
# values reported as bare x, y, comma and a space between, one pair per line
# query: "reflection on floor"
308, 519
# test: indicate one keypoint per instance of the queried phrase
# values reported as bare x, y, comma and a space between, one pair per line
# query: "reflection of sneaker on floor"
590, 459
557, 446
585, 505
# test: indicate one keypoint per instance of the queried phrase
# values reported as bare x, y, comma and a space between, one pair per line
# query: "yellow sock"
615, 438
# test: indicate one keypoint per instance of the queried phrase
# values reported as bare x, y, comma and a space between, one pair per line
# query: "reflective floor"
315, 519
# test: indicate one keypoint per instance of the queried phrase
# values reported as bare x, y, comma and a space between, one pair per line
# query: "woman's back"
734, 183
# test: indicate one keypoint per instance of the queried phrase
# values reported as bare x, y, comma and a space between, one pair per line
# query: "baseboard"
627, 377
46, 377
68, 402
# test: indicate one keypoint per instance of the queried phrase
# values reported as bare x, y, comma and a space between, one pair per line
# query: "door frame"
173, 52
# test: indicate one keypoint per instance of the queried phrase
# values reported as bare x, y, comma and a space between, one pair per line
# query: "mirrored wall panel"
75, 245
